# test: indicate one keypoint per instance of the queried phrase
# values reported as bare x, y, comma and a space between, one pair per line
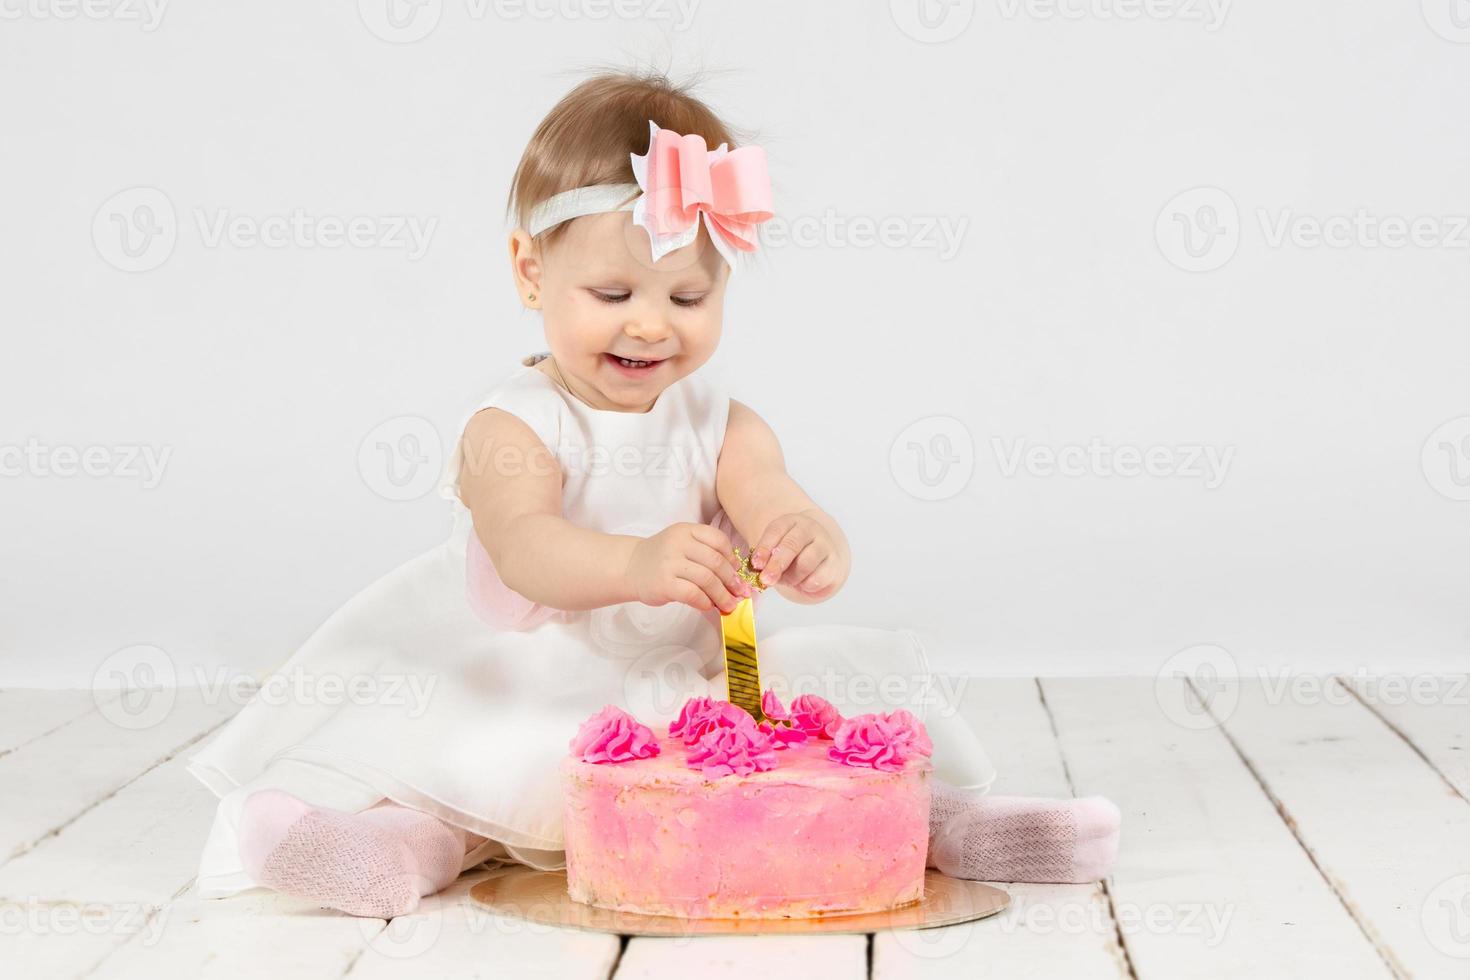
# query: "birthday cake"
802, 813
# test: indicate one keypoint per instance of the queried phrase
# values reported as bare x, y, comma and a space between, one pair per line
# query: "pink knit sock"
379, 862
1019, 838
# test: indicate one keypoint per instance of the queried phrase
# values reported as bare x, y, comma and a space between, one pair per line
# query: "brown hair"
587, 137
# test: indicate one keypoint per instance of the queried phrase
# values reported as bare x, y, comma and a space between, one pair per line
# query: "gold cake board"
541, 897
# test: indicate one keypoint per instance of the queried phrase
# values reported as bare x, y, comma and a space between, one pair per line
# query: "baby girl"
600, 493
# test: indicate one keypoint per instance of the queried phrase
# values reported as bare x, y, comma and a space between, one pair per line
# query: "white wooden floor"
1319, 830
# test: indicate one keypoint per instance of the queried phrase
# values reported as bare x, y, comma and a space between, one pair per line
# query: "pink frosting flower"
736, 749
613, 735
693, 709
781, 733
815, 716
885, 742
701, 715
772, 708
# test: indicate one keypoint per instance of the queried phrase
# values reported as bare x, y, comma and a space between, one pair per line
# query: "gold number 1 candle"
737, 630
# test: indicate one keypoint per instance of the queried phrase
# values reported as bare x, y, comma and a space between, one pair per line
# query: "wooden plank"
743, 957
29, 713
1208, 873
453, 938
254, 934
140, 845
65, 939
53, 780
1383, 826
1431, 713
1050, 930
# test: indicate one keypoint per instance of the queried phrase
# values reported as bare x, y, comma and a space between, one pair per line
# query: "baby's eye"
610, 295
688, 300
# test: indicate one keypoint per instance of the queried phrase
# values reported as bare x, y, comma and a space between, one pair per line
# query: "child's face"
602, 298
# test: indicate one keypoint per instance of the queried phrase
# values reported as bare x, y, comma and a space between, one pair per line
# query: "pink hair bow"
682, 179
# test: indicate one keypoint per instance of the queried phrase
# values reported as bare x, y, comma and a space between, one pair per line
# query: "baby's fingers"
783, 541
717, 541
709, 583
713, 550
816, 579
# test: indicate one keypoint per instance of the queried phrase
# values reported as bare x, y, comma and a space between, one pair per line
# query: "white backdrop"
1105, 328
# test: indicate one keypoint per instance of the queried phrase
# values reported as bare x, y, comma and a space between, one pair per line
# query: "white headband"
594, 199
680, 183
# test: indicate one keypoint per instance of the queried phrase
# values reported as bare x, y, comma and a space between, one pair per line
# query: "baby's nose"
648, 328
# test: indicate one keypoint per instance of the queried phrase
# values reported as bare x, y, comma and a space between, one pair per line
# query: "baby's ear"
525, 267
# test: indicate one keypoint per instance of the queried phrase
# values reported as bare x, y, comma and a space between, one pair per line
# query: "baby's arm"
795, 542
512, 485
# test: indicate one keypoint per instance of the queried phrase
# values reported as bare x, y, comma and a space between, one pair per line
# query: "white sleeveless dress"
440, 689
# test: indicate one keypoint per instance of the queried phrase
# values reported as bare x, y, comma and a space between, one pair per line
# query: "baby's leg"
379, 862
1018, 838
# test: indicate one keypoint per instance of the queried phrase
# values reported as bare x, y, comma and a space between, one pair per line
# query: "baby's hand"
803, 553
689, 563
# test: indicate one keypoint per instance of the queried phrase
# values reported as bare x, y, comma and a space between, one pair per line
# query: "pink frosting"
772, 708
815, 715
702, 715
782, 734
613, 735
884, 742
732, 750
692, 710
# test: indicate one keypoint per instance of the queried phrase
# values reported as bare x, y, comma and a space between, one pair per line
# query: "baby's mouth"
633, 365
